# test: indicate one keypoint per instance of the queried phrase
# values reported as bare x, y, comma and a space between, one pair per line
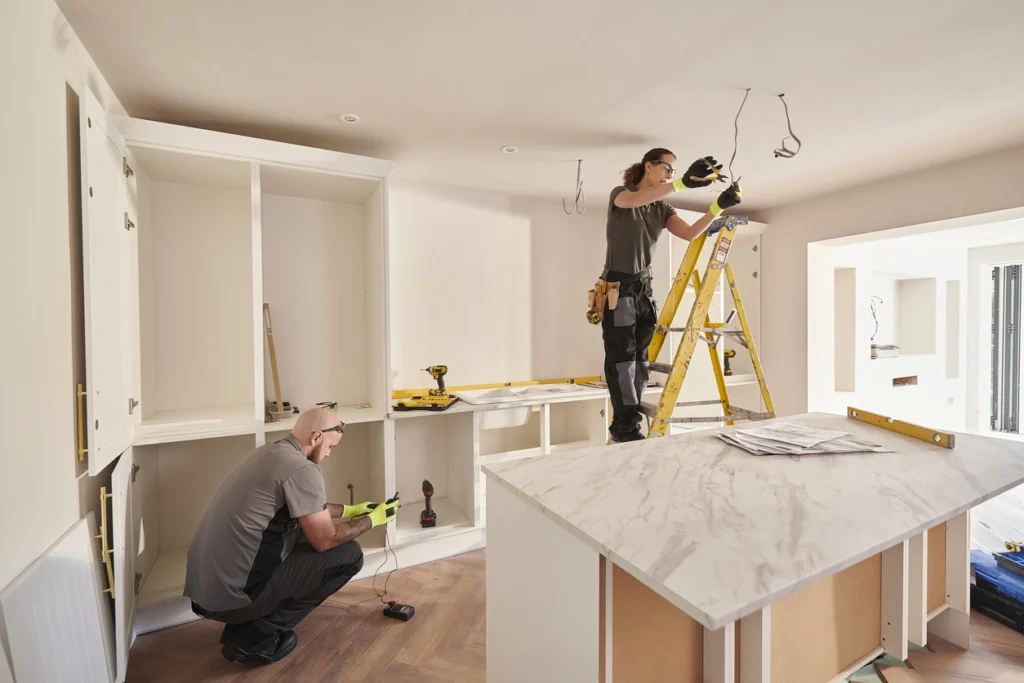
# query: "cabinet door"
124, 559
103, 254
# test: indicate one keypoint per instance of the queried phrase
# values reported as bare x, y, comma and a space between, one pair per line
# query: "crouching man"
268, 549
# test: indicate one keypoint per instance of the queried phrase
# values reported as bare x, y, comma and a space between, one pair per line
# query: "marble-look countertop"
721, 533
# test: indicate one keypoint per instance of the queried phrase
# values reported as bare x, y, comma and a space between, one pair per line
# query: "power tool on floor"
436, 399
428, 517
729, 353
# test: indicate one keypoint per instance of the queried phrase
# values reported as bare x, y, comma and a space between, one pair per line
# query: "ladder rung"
665, 330
649, 409
712, 402
745, 414
661, 367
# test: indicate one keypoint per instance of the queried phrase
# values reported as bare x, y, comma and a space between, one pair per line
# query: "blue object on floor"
1006, 582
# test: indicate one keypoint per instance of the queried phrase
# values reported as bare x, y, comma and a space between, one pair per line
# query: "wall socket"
949, 401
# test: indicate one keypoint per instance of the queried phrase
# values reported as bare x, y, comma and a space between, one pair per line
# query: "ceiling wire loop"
579, 192
784, 151
736, 136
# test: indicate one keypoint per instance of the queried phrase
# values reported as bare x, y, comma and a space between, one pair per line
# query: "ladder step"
649, 409
661, 367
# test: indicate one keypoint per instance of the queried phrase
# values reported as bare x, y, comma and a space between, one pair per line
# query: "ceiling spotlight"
509, 149
349, 118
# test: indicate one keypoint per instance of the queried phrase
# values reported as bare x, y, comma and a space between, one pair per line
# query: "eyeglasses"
671, 171
340, 428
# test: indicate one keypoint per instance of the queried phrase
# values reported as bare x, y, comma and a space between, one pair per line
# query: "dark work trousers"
627, 331
299, 584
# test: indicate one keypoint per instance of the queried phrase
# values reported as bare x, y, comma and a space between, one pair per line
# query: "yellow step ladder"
700, 328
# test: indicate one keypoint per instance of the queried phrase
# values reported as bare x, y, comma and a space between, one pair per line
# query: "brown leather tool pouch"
596, 298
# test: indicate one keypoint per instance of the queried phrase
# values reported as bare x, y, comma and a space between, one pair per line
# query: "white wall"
979, 293
909, 275
42, 67
494, 287
971, 187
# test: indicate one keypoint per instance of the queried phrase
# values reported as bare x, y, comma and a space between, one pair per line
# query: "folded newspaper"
784, 438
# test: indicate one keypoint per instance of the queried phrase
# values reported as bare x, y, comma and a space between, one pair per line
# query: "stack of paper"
784, 438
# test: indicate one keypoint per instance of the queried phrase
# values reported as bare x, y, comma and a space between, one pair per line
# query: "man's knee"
347, 558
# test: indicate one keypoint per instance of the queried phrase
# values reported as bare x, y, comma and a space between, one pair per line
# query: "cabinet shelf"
350, 415
205, 423
450, 520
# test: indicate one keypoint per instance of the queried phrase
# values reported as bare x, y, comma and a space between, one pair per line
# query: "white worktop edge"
703, 617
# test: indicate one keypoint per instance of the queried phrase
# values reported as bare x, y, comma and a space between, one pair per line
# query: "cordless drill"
729, 353
438, 372
428, 517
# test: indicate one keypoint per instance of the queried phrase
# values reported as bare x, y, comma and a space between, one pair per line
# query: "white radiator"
57, 617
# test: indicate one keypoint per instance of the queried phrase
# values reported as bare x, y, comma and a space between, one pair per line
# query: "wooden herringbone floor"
347, 640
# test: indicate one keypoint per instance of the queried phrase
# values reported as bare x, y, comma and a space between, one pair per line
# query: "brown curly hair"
635, 173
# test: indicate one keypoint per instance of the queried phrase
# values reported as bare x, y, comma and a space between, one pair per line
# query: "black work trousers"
627, 331
299, 584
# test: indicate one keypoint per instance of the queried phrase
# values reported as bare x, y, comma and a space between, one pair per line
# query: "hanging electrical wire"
736, 137
579, 192
784, 151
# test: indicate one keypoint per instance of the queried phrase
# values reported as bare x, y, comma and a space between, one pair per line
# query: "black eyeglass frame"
671, 170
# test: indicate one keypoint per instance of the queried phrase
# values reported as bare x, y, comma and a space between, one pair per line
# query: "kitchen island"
686, 559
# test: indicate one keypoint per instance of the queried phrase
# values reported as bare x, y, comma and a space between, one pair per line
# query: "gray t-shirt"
251, 524
633, 233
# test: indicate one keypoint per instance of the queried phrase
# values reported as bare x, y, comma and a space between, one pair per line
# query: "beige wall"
495, 287
980, 185
42, 66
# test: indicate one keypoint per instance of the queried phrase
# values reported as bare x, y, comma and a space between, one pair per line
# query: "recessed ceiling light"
509, 149
349, 118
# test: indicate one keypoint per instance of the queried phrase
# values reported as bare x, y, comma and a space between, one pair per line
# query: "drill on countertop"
438, 372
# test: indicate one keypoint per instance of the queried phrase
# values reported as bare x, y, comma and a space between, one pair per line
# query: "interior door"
103, 253
124, 559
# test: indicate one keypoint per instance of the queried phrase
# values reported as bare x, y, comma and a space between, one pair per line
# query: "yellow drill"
438, 372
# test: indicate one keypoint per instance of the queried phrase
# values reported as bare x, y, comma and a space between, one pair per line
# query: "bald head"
313, 420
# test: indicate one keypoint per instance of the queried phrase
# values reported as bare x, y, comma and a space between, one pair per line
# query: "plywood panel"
825, 628
652, 640
936, 566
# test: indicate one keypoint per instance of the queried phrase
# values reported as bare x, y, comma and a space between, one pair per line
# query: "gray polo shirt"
251, 524
633, 233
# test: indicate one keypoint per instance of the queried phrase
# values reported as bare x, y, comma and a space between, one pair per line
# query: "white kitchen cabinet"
188, 235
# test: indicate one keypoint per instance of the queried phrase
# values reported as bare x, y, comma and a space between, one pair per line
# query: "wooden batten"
936, 567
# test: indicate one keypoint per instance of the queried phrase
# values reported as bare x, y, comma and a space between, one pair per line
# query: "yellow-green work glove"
701, 173
360, 509
728, 199
385, 512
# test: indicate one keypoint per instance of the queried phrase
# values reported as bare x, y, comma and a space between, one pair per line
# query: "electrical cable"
784, 151
736, 136
579, 192
387, 546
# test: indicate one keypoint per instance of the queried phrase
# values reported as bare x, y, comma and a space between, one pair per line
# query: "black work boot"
266, 652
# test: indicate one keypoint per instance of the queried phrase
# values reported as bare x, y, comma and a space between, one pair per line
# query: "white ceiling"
874, 87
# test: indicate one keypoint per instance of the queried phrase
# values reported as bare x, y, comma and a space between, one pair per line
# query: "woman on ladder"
637, 215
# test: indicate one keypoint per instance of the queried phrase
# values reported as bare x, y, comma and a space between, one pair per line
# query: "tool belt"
608, 292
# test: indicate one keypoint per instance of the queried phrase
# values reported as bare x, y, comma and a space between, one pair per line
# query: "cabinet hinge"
127, 169
132, 405
135, 470
138, 584
128, 224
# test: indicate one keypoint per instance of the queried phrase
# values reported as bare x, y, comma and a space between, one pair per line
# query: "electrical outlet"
949, 401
